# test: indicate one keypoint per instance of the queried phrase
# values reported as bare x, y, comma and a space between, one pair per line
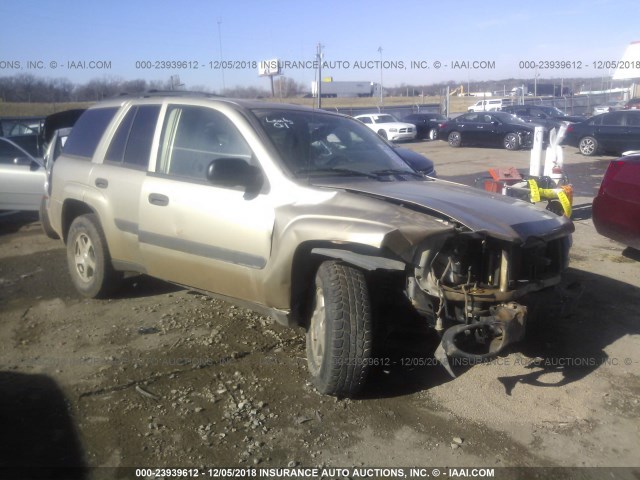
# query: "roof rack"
169, 93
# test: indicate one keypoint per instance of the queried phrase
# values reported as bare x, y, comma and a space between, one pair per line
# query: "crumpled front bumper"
505, 325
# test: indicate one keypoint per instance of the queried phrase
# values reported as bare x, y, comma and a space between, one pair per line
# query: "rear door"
194, 233
610, 134
631, 139
120, 177
484, 132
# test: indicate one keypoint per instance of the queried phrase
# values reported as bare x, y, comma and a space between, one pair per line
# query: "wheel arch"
72, 209
308, 257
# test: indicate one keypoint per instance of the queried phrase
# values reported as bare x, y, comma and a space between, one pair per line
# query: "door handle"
102, 182
158, 199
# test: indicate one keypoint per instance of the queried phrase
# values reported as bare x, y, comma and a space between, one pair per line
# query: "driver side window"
192, 137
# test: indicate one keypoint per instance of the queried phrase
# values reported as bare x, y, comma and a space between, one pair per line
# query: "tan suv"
298, 213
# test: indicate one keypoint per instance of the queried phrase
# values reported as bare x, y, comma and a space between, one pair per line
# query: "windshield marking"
280, 122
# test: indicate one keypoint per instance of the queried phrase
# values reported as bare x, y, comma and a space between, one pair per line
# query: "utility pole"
221, 59
319, 81
380, 51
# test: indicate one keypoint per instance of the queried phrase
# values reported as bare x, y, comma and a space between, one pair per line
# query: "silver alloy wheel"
433, 134
317, 327
511, 141
455, 139
587, 146
85, 257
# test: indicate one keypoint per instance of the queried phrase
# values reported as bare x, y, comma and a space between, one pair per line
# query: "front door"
194, 233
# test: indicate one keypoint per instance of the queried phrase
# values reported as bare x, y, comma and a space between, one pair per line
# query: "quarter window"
88, 131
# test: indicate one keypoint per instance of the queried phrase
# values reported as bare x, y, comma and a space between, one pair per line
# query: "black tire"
511, 141
383, 134
455, 139
433, 134
339, 335
88, 259
588, 146
44, 221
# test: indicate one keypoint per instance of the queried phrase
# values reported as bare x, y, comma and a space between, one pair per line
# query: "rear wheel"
89, 260
588, 146
433, 134
339, 335
511, 141
455, 139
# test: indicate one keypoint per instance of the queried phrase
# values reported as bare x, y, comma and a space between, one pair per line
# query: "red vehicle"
633, 104
616, 209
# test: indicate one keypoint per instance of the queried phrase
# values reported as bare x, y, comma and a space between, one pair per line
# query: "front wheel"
588, 146
511, 141
383, 134
455, 139
339, 335
89, 260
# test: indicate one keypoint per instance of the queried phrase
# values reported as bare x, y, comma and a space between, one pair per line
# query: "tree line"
32, 89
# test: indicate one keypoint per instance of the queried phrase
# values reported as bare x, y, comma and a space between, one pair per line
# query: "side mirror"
22, 161
27, 162
234, 172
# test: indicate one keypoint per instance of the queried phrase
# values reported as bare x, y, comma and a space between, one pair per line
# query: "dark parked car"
499, 129
426, 124
550, 117
616, 208
614, 132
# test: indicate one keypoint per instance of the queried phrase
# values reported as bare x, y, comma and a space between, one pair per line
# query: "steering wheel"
337, 160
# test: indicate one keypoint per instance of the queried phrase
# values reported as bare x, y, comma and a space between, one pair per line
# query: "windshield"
556, 112
508, 117
311, 142
384, 118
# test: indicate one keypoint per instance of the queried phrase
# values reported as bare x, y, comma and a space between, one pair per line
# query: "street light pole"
319, 80
380, 51
221, 59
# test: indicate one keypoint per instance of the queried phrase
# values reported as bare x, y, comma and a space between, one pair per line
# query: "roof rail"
169, 93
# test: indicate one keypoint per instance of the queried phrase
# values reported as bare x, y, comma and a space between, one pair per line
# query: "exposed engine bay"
468, 284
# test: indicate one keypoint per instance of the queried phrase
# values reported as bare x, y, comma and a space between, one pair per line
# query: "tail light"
609, 175
570, 129
442, 125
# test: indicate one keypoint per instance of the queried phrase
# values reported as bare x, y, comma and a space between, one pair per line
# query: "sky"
138, 39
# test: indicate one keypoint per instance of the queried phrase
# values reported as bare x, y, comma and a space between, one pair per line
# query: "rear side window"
88, 131
131, 144
633, 120
613, 118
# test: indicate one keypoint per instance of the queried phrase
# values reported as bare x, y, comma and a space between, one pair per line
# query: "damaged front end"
468, 283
